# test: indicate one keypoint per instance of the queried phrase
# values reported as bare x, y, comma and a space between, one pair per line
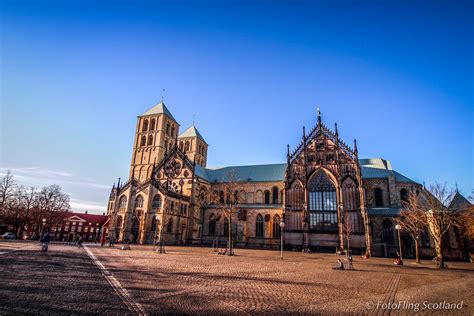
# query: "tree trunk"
417, 250
231, 250
439, 253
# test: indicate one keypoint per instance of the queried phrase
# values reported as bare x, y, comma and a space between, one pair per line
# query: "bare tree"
226, 203
29, 201
51, 201
7, 191
439, 218
413, 220
347, 231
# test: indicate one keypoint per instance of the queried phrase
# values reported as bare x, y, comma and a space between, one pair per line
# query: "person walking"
46, 239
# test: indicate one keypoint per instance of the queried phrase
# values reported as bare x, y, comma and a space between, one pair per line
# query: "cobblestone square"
192, 280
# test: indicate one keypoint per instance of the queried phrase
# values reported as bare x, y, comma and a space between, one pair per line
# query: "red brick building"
88, 226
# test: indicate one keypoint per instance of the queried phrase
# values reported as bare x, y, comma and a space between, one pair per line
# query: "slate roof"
192, 132
458, 202
160, 108
371, 168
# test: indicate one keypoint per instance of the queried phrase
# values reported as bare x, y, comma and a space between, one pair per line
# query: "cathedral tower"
156, 133
194, 145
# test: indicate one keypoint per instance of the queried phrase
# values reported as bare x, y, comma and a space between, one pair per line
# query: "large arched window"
156, 203
404, 196
143, 141
275, 195
226, 226
259, 226
387, 231
139, 202
276, 226
123, 202
150, 140
350, 204
322, 203
267, 197
378, 197
145, 126
212, 225
152, 125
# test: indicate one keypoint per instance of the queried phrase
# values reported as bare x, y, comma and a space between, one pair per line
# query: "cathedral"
322, 192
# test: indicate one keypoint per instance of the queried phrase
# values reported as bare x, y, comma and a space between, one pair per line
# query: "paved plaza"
192, 280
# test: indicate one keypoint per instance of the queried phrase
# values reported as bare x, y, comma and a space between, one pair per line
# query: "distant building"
88, 226
322, 184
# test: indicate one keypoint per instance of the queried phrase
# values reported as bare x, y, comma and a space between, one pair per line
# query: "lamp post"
282, 226
398, 227
43, 221
157, 221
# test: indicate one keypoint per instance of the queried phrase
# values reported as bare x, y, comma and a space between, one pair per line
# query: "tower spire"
355, 147
319, 115
162, 95
336, 131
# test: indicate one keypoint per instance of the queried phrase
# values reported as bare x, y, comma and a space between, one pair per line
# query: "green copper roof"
160, 108
380, 168
383, 211
371, 168
192, 132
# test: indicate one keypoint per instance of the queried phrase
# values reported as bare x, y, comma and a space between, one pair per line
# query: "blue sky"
398, 76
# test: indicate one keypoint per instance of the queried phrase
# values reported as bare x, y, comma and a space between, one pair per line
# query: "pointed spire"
118, 184
319, 115
288, 151
113, 186
424, 185
162, 95
355, 147
457, 189
335, 129
304, 132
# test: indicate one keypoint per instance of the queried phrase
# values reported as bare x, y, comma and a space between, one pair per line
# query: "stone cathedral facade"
322, 190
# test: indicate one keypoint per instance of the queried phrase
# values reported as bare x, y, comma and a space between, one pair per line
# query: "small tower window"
152, 125
145, 126
150, 140
156, 202
186, 147
172, 130
167, 128
275, 195
143, 142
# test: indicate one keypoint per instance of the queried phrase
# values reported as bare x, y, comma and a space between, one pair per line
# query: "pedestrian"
79, 241
46, 239
339, 265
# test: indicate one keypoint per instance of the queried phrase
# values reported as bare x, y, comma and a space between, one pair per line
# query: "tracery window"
139, 202
276, 226
152, 124
322, 203
156, 203
212, 225
123, 202
378, 197
143, 142
259, 226
296, 196
150, 140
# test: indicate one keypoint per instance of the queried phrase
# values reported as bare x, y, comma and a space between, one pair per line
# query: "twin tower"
156, 133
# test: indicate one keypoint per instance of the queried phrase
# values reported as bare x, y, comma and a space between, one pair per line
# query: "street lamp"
42, 227
398, 227
157, 221
282, 226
